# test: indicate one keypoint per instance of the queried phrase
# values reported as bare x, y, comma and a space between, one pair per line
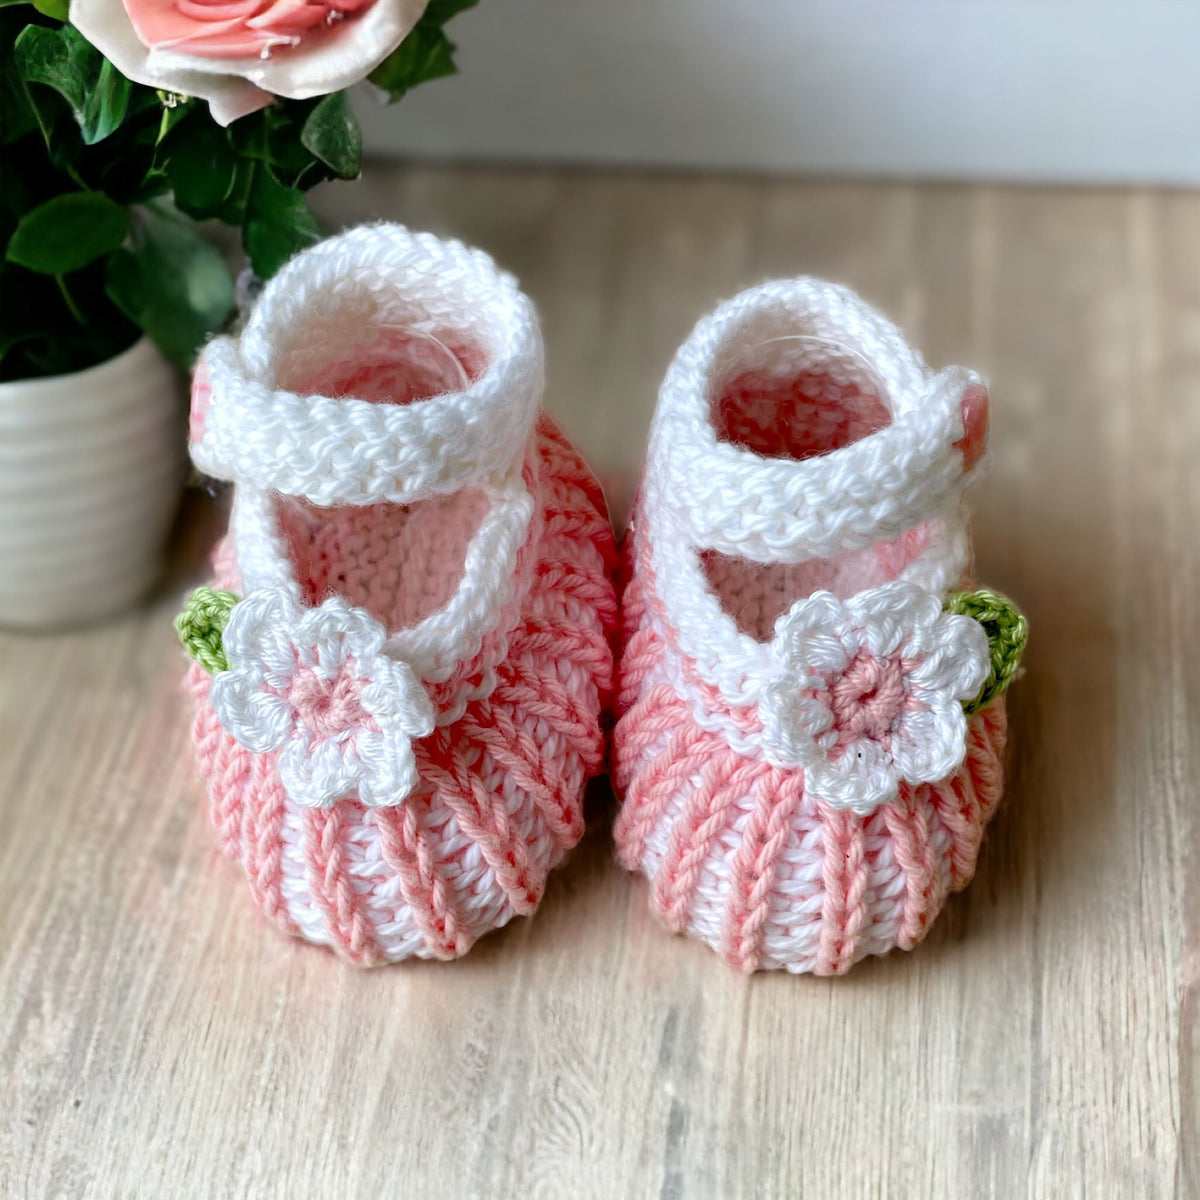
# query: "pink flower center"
330, 708
867, 698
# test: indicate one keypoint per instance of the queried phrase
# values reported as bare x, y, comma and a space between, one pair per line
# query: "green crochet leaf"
1007, 632
201, 625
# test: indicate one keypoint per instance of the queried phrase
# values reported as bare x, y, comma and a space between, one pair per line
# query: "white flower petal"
815, 637
263, 617
860, 778
389, 774
930, 745
961, 662
257, 719
893, 616
395, 694
813, 715
278, 655
947, 672
792, 720
336, 631
318, 774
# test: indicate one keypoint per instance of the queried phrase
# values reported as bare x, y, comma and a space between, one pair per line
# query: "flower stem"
66, 295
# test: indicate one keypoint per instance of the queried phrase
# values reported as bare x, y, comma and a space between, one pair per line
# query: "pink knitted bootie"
811, 689
402, 663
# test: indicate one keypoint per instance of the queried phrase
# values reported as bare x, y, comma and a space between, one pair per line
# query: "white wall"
1031, 89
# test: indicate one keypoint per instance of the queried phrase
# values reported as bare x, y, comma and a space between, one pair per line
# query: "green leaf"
54, 58
438, 12
52, 8
275, 140
201, 624
96, 92
278, 224
172, 284
331, 133
104, 107
201, 166
68, 232
427, 53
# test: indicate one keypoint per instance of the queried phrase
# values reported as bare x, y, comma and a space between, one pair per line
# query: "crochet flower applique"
315, 686
870, 691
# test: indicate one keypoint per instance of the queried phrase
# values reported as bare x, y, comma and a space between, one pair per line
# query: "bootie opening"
798, 396
384, 363
401, 562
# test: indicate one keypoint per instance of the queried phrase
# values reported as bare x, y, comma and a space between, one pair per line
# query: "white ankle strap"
733, 500
352, 451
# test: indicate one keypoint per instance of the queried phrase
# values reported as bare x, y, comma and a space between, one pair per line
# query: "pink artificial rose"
239, 54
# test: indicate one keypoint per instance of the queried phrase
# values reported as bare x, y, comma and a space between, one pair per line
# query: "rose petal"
333, 58
237, 42
292, 16
109, 29
229, 104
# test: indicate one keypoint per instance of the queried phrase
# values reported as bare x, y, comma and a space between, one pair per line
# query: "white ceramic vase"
91, 470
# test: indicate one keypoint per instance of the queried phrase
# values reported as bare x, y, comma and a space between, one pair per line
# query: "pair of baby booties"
404, 667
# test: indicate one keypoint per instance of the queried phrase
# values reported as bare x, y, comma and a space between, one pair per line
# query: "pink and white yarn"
421, 656
801, 783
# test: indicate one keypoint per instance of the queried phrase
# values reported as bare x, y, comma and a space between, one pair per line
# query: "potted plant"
124, 123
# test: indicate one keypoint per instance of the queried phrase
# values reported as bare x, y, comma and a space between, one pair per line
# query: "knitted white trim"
703, 493
351, 451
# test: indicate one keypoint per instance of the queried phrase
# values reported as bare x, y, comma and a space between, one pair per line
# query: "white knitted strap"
779, 510
349, 450
727, 498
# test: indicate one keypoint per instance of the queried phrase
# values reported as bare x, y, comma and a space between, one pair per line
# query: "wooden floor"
158, 1039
